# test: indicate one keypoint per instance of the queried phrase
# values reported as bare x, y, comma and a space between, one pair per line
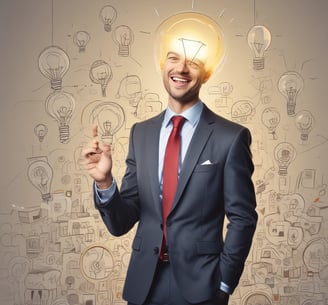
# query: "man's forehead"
188, 48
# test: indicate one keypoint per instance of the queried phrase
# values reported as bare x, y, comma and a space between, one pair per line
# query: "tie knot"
178, 121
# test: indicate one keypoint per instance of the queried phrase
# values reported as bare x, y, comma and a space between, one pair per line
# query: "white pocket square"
206, 162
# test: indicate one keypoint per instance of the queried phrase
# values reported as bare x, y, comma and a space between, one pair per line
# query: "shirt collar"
192, 114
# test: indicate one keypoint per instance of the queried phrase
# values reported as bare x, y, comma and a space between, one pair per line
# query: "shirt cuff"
106, 194
224, 287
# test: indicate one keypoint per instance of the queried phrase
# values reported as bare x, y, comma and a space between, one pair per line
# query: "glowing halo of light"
193, 35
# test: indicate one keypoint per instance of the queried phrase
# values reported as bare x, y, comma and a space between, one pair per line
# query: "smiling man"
187, 169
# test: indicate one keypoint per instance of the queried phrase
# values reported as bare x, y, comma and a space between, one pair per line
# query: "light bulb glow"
123, 37
53, 64
304, 121
290, 84
60, 105
259, 39
192, 35
109, 117
101, 73
40, 175
284, 153
108, 16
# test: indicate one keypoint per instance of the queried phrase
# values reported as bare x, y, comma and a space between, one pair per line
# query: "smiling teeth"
179, 79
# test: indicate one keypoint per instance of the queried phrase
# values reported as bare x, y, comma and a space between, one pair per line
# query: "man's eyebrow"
172, 53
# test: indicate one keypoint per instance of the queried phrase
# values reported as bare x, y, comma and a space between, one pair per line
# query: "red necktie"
170, 169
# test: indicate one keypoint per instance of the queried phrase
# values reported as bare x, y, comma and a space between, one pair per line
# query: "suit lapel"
152, 133
197, 144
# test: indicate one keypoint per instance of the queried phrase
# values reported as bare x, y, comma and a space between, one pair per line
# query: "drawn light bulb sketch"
223, 90
123, 37
290, 84
101, 73
284, 154
60, 105
242, 111
130, 88
108, 16
53, 64
40, 131
81, 39
304, 121
259, 39
97, 263
40, 175
271, 119
109, 117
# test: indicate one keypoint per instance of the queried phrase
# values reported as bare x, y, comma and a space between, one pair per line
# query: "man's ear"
161, 64
207, 75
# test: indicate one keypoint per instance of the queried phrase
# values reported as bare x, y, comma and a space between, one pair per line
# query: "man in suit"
184, 259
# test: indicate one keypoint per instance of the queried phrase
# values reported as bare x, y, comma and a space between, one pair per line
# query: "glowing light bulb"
304, 121
53, 64
60, 105
101, 73
109, 117
123, 37
192, 35
259, 39
40, 131
290, 85
284, 153
40, 175
108, 16
271, 119
81, 39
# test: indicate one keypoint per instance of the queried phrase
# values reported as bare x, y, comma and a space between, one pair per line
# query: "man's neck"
179, 107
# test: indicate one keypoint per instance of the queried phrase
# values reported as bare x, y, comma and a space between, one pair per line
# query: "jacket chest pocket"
206, 168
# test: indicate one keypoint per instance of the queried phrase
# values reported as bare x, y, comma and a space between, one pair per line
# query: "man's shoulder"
221, 121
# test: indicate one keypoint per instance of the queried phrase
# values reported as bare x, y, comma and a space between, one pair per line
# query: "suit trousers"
164, 290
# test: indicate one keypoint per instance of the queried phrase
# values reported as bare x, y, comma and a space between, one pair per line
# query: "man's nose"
183, 65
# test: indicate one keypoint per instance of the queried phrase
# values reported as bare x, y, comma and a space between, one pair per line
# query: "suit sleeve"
122, 210
240, 205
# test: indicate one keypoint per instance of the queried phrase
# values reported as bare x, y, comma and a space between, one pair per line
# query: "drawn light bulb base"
304, 121
101, 73
284, 153
53, 64
81, 39
109, 117
259, 39
123, 37
60, 105
40, 175
290, 84
108, 16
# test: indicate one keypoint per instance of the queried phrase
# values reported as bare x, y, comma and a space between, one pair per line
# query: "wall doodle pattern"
92, 62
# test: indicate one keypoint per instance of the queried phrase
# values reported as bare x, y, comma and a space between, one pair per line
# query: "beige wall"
56, 250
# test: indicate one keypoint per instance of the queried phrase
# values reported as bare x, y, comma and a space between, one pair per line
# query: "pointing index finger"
94, 131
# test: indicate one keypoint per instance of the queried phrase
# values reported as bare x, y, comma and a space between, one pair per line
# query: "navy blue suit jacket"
199, 255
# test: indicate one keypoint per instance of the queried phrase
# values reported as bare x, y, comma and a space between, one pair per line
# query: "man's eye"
193, 64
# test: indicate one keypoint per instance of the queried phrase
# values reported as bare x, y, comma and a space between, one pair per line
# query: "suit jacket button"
162, 226
156, 250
